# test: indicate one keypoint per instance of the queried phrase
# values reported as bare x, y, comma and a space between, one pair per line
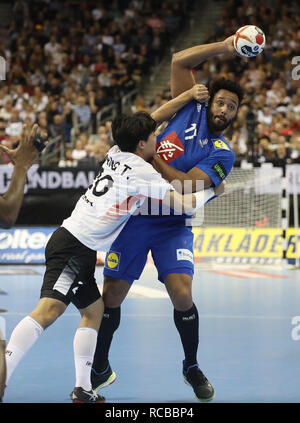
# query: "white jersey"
122, 185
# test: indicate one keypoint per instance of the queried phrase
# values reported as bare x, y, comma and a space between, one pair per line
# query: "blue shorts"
168, 238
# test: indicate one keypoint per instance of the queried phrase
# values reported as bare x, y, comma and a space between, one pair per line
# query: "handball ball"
249, 41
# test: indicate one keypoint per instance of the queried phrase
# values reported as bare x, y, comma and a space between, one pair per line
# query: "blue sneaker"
103, 379
193, 376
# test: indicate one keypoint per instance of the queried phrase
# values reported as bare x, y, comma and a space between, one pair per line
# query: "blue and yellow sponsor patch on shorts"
112, 260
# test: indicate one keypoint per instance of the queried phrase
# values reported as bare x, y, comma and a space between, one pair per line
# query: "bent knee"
114, 292
47, 311
94, 311
182, 300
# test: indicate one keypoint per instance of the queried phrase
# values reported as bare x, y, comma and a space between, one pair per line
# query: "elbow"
175, 59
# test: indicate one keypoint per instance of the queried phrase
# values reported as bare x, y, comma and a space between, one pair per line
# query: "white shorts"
2, 329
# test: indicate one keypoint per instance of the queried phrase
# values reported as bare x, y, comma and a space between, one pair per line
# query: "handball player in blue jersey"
191, 148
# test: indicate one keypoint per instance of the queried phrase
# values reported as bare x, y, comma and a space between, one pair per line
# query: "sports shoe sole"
108, 382
200, 399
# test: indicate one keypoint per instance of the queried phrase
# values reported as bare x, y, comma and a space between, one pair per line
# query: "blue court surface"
249, 347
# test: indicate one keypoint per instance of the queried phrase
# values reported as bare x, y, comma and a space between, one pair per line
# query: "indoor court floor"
249, 347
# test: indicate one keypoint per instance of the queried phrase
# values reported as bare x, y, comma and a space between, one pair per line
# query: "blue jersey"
186, 143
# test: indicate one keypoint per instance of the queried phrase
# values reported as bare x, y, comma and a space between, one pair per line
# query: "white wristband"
2, 329
203, 196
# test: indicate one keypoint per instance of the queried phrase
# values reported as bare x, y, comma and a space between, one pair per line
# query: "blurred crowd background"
69, 62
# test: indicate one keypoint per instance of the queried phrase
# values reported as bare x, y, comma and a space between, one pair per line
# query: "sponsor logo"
58, 179
23, 238
24, 245
247, 50
170, 147
221, 144
220, 170
199, 106
112, 261
184, 254
243, 243
76, 288
187, 319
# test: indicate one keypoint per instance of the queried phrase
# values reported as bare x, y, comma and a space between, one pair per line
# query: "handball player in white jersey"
124, 182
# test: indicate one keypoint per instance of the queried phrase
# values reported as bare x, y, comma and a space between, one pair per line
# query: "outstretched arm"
170, 174
184, 61
166, 111
189, 203
22, 157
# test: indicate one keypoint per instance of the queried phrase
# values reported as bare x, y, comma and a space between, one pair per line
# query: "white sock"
22, 339
85, 341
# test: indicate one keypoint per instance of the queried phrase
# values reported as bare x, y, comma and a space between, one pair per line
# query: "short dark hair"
128, 130
225, 84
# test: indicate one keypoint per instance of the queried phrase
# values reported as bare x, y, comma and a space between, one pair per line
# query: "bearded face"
222, 111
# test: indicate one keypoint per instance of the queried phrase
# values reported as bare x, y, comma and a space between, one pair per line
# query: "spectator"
270, 91
265, 115
139, 105
20, 97
39, 100
52, 63
52, 46
3, 96
5, 140
110, 140
42, 121
264, 150
118, 46
294, 106
104, 78
83, 137
14, 126
57, 128
82, 111
6, 110
68, 160
280, 156
27, 112
89, 161
97, 137
100, 150
79, 151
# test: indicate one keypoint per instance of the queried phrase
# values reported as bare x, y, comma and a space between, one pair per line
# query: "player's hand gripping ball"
249, 41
